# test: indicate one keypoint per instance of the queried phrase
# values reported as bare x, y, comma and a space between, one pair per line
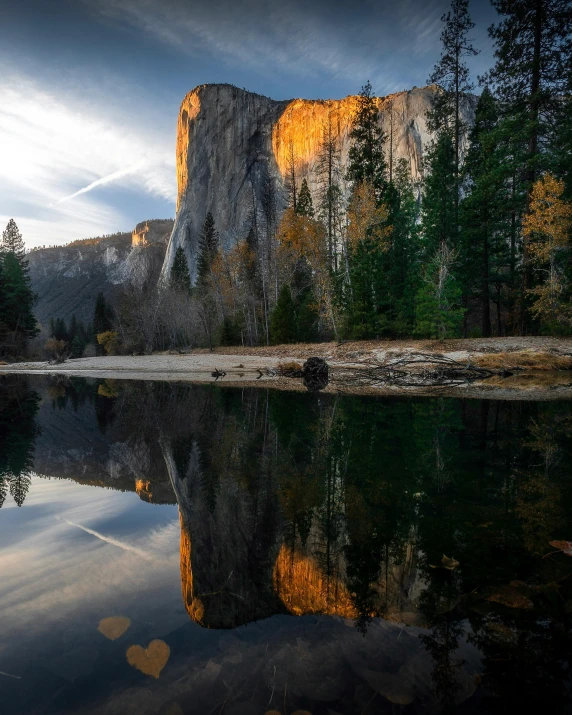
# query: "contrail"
104, 180
111, 540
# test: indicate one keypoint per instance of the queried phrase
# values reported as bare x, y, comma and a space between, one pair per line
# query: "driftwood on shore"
415, 369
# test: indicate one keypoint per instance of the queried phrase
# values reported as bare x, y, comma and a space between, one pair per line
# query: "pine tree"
61, 330
77, 347
403, 255
328, 172
290, 182
438, 206
16, 306
208, 247
73, 330
12, 241
452, 74
102, 320
485, 258
366, 157
305, 206
282, 321
180, 278
439, 314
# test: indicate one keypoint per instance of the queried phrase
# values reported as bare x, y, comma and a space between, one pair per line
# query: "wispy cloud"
55, 148
103, 180
110, 540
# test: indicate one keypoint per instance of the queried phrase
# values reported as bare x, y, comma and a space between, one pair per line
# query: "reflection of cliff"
227, 554
265, 527
81, 438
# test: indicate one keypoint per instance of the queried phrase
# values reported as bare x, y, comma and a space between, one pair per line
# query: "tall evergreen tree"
328, 171
366, 156
403, 255
180, 278
16, 304
291, 182
452, 74
12, 241
439, 194
102, 320
282, 321
485, 230
304, 205
208, 247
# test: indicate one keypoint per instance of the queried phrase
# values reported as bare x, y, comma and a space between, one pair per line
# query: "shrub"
109, 340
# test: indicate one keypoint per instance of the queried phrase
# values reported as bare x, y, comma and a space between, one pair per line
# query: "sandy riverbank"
257, 365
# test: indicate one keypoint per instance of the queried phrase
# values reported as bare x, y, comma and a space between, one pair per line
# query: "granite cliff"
68, 278
231, 142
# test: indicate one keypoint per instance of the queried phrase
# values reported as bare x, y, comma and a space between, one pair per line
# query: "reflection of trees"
18, 430
303, 503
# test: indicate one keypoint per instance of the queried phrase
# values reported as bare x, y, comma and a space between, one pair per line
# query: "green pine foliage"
12, 241
282, 321
17, 322
366, 156
208, 247
180, 278
403, 256
439, 313
103, 317
438, 205
304, 205
485, 251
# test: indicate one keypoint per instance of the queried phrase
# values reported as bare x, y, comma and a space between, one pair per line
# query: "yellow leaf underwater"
113, 627
150, 660
448, 563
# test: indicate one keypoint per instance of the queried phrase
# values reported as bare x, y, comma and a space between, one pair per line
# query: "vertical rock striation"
233, 144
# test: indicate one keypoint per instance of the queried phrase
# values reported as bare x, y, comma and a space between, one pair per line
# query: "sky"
90, 89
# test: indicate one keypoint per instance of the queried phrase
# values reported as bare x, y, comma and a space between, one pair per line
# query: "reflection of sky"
58, 581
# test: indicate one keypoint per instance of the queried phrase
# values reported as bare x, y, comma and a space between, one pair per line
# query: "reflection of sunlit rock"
304, 588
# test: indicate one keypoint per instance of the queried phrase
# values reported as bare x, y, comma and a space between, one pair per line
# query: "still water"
176, 549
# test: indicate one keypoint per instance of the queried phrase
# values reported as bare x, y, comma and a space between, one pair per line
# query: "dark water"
285, 552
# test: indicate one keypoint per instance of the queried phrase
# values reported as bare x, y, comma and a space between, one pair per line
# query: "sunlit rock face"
68, 278
233, 144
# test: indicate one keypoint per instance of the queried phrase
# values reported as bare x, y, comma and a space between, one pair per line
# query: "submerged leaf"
510, 597
449, 563
564, 546
113, 627
150, 660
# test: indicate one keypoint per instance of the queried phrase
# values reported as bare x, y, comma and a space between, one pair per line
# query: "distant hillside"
68, 278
